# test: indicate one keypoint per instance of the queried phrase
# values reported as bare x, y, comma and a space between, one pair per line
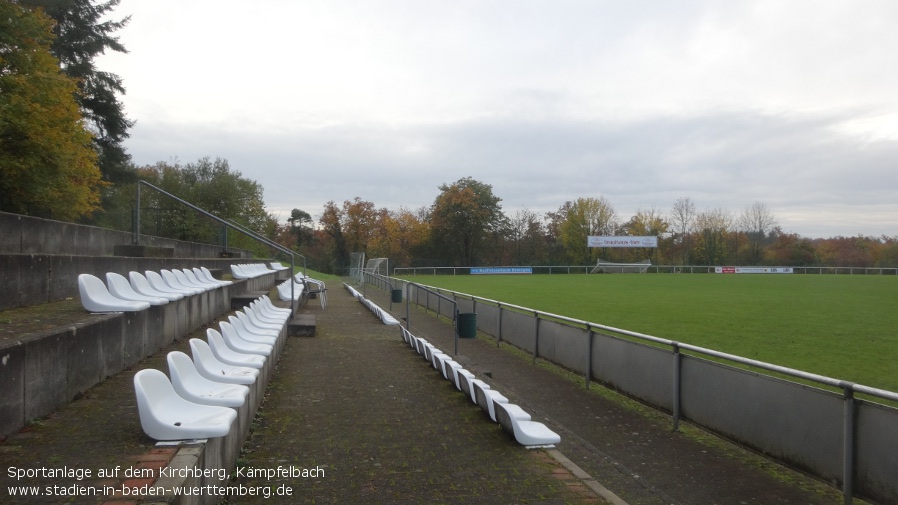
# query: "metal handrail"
249, 233
848, 389
657, 269
822, 379
387, 280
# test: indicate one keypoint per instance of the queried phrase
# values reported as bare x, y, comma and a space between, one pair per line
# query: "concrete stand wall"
41, 372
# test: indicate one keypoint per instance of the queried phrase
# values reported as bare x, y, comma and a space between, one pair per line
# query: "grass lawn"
841, 326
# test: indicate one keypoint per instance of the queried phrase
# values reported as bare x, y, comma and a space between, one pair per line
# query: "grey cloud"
801, 166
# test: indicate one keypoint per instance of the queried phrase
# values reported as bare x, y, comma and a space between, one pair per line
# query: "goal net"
356, 264
378, 266
607, 267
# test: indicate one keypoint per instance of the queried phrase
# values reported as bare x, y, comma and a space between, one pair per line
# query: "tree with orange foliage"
462, 217
399, 234
46, 157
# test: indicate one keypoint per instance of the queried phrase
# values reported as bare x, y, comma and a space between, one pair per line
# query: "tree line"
465, 226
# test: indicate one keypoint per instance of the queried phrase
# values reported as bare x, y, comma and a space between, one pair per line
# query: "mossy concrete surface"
364, 419
358, 417
627, 447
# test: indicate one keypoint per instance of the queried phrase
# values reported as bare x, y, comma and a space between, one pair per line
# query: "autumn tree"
83, 33
400, 235
358, 222
46, 157
790, 250
682, 219
554, 244
331, 223
464, 216
527, 238
647, 223
712, 229
756, 222
586, 217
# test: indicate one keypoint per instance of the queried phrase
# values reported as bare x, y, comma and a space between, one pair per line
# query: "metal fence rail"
815, 423
655, 269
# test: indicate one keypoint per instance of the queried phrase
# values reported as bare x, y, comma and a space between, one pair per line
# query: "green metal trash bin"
467, 325
396, 296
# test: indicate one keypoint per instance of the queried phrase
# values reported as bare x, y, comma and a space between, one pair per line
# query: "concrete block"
302, 325
45, 373
12, 392
143, 251
94, 351
243, 299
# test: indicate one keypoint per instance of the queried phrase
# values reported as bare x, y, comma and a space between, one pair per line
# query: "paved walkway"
371, 422
386, 428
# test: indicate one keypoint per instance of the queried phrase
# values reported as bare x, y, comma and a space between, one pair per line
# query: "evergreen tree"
81, 35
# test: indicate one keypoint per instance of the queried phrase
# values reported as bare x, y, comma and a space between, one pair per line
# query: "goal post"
356, 264
378, 266
607, 267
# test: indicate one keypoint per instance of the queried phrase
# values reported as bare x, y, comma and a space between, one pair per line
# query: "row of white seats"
373, 307
250, 270
199, 399
511, 417
140, 291
284, 290
320, 289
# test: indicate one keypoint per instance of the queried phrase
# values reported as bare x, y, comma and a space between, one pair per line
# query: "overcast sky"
790, 103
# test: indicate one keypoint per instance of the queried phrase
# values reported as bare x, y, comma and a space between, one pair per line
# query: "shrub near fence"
822, 428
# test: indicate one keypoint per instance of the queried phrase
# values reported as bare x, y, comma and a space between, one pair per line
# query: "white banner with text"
622, 241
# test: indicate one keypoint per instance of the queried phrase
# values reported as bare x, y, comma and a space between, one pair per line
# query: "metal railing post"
499, 324
137, 217
536, 337
589, 339
848, 447
676, 386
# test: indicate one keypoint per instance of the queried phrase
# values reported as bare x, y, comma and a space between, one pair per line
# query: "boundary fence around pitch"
654, 269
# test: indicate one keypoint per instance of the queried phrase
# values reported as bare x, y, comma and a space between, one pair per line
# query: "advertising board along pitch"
501, 270
753, 270
650, 241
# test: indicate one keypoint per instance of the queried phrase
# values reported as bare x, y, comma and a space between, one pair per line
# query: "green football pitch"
841, 326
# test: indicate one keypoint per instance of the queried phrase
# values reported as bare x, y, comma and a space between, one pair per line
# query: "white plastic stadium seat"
265, 315
175, 283
487, 397
183, 279
191, 276
211, 368
204, 274
192, 386
164, 415
259, 323
119, 287
227, 355
234, 341
159, 284
249, 336
462, 376
527, 433
96, 298
142, 286
252, 328
284, 291
264, 300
